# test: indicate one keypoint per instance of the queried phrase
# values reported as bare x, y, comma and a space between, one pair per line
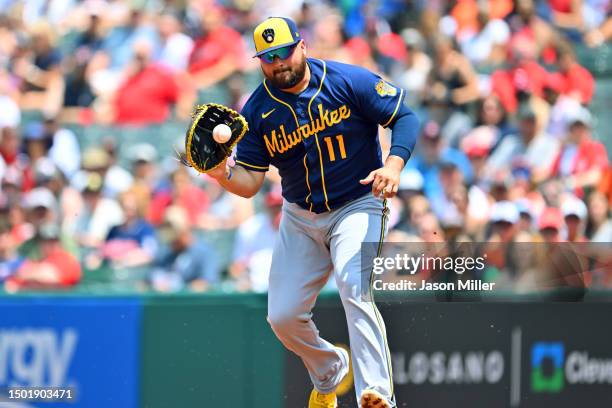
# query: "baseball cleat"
319, 400
373, 399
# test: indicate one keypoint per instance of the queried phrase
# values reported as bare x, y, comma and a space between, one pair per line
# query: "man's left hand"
386, 179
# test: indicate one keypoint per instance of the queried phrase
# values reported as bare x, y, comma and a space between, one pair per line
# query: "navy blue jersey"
323, 140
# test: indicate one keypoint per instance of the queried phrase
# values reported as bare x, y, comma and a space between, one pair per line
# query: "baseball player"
317, 122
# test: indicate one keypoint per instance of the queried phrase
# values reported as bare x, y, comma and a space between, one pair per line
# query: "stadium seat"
601, 107
597, 60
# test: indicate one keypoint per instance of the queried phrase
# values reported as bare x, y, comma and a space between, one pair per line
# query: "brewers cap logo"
384, 89
268, 35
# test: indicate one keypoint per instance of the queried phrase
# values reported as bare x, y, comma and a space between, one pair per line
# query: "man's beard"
288, 77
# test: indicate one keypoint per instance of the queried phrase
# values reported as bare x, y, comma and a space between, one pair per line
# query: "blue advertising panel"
88, 345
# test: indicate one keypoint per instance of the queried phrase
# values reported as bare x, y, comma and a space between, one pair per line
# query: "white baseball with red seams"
222, 133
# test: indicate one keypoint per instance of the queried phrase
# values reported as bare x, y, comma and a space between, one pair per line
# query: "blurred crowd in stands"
508, 148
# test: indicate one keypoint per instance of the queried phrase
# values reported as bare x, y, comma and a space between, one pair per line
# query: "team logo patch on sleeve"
384, 89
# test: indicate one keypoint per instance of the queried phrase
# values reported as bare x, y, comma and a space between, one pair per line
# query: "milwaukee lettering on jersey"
280, 142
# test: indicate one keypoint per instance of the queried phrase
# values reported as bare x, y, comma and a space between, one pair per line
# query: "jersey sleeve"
250, 151
377, 99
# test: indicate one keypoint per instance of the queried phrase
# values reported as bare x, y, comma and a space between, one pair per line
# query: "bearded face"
287, 73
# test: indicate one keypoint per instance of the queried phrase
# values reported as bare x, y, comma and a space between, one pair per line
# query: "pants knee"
283, 321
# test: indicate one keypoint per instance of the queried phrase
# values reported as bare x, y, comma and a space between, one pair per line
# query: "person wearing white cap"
503, 247
504, 211
503, 219
411, 180
41, 205
574, 213
42, 210
143, 158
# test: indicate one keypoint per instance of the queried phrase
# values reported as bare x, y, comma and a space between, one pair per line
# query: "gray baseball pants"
311, 248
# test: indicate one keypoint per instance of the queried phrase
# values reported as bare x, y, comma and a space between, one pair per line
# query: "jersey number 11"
330, 147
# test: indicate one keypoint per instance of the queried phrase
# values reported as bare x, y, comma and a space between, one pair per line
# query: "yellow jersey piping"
399, 101
317, 135
252, 165
297, 123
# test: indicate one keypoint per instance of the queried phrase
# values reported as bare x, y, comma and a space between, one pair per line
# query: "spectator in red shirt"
582, 160
49, 266
148, 92
577, 81
183, 193
524, 76
217, 53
